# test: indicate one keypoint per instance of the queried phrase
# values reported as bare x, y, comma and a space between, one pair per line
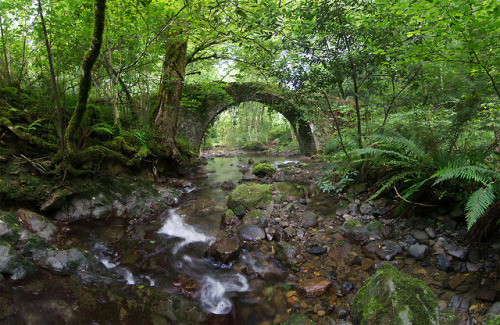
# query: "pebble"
442, 262
458, 252
430, 231
321, 313
462, 304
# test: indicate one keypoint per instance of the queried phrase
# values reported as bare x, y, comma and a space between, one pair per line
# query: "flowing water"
179, 238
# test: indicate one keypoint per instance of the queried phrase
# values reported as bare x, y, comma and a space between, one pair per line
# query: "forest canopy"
388, 85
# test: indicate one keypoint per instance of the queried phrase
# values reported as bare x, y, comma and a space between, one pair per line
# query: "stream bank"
140, 253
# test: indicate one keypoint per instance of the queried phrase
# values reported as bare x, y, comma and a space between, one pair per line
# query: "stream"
179, 238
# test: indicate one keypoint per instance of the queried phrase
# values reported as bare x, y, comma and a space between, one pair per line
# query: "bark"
5, 54
86, 77
60, 116
167, 110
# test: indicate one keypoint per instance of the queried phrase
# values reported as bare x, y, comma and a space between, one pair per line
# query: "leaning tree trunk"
86, 77
167, 110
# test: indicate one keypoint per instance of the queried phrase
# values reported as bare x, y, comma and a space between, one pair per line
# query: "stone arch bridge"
193, 123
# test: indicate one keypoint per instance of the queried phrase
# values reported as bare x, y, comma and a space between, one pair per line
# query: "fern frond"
478, 203
475, 173
375, 152
390, 182
102, 127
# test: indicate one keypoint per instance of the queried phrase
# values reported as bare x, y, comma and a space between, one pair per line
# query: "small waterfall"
213, 294
175, 227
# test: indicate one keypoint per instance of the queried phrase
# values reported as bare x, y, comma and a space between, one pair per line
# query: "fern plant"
417, 170
481, 199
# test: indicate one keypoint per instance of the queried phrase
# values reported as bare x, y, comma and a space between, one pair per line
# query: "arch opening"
251, 125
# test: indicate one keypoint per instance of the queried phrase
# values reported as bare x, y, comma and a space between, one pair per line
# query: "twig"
419, 204
35, 165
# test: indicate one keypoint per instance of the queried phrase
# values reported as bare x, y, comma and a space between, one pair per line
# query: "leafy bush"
254, 145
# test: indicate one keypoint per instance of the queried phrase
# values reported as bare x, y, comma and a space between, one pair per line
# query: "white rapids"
175, 227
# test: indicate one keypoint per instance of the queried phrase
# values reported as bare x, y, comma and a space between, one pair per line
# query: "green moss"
350, 225
394, 298
494, 321
288, 189
249, 197
374, 226
263, 169
298, 319
34, 244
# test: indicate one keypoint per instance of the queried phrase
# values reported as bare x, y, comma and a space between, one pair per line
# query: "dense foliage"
404, 92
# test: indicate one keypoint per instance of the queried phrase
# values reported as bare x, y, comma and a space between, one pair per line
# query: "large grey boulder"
13, 263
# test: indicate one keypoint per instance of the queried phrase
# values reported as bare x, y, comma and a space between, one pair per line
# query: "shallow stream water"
180, 237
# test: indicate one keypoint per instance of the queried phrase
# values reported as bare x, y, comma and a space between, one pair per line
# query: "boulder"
61, 261
392, 297
38, 224
248, 197
225, 249
13, 263
263, 169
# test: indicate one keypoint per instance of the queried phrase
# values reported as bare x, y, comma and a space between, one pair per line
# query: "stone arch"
193, 123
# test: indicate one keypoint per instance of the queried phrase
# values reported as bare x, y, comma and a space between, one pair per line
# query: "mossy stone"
394, 298
287, 189
263, 169
298, 319
249, 196
350, 225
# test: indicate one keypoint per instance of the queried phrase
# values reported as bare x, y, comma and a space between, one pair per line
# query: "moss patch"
263, 169
392, 297
249, 197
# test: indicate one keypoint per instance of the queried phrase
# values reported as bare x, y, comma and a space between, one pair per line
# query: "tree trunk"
86, 77
60, 117
167, 110
5, 54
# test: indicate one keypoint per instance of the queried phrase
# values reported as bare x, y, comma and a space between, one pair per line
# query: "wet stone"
458, 252
225, 249
353, 208
409, 239
270, 232
347, 287
457, 280
442, 262
251, 233
309, 220
417, 251
365, 209
420, 235
431, 232
285, 254
290, 231
460, 267
315, 286
486, 294
385, 250
332, 276
460, 303
317, 250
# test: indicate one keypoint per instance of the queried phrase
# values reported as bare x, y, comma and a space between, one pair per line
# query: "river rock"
61, 261
486, 294
13, 263
228, 186
224, 249
460, 303
229, 218
443, 263
38, 224
494, 312
458, 252
309, 220
314, 287
417, 251
287, 190
431, 232
249, 197
317, 250
354, 230
263, 169
420, 235
286, 254
298, 319
365, 209
392, 297
251, 233
385, 250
